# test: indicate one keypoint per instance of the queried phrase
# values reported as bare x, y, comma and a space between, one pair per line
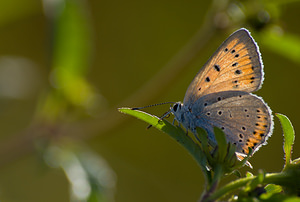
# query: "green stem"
218, 172
274, 178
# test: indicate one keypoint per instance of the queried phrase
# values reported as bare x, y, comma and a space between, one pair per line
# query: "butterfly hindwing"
245, 118
235, 66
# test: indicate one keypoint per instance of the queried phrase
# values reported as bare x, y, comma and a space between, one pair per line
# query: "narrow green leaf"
72, 38
289, 136
72, 50
175, 132
202, 135
222, 143
163, 125
231, 151
231, 156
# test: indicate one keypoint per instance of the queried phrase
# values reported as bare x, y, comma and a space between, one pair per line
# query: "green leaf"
222, 143
202, 136
256, 181
162, 125
72, 49
89, 175
249, 174
273, 188
175, 132
289, 136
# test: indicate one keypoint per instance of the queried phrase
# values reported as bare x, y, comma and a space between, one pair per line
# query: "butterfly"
220, 96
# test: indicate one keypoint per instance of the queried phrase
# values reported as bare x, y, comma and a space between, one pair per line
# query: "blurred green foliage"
66, 65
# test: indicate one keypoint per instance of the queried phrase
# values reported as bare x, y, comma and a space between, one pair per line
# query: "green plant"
218, 162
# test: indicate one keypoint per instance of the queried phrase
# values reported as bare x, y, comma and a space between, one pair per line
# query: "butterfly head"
177, 110
176, 107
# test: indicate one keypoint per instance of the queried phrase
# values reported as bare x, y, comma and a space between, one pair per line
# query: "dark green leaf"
222, 143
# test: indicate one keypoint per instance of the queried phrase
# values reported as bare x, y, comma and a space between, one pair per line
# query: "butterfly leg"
179, 125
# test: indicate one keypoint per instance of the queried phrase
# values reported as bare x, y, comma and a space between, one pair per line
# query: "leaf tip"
123, 109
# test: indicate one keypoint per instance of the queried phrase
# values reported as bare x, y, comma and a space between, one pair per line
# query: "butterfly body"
220, 96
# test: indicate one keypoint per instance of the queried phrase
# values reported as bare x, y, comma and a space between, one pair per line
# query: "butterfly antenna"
137, 108
161, 118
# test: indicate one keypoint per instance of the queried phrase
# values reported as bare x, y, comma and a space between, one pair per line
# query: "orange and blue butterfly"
221, 96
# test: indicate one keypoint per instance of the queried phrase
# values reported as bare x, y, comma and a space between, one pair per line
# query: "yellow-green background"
131, 42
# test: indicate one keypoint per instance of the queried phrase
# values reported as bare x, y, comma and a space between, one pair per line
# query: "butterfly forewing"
220, 96
235, 66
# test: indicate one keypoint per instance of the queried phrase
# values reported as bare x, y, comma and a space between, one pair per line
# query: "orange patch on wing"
232, 44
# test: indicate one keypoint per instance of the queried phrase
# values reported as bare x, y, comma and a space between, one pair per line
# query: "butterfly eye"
175, 106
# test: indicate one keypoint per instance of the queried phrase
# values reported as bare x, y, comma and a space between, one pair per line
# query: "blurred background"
67, 65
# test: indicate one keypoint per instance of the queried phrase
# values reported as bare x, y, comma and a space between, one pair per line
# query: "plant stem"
218, 172
273, 178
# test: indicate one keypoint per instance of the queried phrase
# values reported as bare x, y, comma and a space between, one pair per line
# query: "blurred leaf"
256, 181
90, 177
285, 44
289, 136
272, 189
71, 54
101, 177
249, 174
72, 38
